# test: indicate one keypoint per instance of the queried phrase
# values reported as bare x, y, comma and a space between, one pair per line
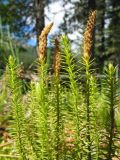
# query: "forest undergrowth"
68, 114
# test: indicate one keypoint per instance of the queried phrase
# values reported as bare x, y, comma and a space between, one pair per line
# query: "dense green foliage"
28, 17
57, 121
71, 115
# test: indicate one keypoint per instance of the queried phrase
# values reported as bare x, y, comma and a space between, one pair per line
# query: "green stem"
112, 122
58, 120
87, 97
88, 121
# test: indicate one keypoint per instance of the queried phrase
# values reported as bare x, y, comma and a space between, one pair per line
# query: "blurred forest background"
23, 21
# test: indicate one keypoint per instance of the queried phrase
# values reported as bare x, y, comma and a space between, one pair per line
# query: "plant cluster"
63, 116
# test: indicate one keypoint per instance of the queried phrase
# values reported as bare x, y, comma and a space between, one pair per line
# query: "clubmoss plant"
111, 100
60, 118
87, 66
56, 68
17, 110
41, 97
74, 89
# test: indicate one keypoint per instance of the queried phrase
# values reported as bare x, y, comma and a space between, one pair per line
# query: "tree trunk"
100, 34
39, 14
114, 29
